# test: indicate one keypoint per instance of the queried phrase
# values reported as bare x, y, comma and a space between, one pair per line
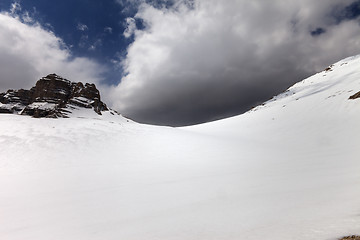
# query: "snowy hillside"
288, 169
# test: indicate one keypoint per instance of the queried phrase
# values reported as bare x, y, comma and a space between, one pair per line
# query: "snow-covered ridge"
333, 88
320, 82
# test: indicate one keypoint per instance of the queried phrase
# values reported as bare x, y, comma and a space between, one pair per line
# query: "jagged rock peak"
53, 96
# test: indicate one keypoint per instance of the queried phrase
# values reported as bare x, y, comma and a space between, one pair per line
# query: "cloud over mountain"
29, 51
194, 61
183, 61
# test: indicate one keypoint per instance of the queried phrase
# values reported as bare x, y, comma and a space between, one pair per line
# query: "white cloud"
28, 52
129, 5
108, 30
84, 41
95, 45
82, 27
216, 58
130, 27
26, 17
15, 7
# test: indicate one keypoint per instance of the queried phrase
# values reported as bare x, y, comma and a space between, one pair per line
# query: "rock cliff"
52, 96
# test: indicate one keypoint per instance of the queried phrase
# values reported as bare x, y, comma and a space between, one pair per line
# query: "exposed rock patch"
52, 96
356, 95
353, 237
329, 68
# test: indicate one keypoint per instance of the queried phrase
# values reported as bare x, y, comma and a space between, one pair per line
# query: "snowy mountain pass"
286, 170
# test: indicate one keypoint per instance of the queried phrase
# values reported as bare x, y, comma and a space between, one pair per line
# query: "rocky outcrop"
355, 96
52, 96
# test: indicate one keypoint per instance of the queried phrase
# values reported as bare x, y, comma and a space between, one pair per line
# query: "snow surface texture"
288, 169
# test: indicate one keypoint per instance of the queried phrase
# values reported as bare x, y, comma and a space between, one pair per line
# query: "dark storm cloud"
210, 101
218, 58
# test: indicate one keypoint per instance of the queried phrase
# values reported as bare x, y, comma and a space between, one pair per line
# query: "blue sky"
176, 62
92, 29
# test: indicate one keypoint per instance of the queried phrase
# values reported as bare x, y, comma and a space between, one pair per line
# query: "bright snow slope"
287, 170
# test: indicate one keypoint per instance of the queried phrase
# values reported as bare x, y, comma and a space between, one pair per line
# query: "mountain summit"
52, 97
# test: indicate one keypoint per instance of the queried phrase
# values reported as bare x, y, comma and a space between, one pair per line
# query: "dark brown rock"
352, 237
52, 96
356, 95
52, 89
329, 68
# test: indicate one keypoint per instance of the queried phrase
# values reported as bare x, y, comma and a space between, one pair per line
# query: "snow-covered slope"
289, 169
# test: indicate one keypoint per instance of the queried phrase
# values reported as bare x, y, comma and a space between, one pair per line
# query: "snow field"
285, 170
